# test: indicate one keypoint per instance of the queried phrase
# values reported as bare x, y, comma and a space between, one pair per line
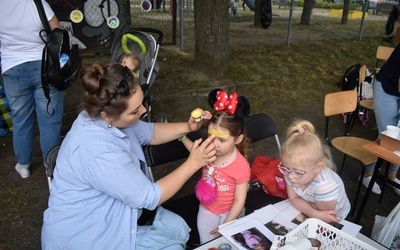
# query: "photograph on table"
249, 235
298, 219
277, 228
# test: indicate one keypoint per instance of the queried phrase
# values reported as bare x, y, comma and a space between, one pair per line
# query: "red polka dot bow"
226, 102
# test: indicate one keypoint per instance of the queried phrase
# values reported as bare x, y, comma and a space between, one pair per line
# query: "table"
383, 155
275, 213
216, 242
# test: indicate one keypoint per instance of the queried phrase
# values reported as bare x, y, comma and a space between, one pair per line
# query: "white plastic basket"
330, 237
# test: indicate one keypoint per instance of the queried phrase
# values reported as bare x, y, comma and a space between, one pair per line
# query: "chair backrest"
50, 163
382, 54
258, 126
261, 126
362, 72
338, 103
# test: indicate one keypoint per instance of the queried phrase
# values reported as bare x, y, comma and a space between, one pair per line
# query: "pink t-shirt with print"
227, 178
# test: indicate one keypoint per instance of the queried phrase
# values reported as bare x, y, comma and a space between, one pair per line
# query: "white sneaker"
23, 170
376, 189
396, 190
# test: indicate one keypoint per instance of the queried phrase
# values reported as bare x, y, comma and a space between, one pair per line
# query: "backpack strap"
42, 14
47, 29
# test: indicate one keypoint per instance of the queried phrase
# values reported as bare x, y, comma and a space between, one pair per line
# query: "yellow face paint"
218, 133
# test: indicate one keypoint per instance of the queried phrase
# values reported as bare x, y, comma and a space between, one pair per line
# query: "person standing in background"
21, 52
386, 107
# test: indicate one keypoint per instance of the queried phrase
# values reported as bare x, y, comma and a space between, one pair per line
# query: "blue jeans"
23, 87
385, 107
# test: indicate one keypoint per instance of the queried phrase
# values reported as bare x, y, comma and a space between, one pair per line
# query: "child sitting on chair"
222, 189
313, 186
132, 62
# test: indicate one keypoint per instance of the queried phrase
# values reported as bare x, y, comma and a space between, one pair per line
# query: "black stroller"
143, 44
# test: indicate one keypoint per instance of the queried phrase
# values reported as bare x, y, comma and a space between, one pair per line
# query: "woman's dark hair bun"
90, 77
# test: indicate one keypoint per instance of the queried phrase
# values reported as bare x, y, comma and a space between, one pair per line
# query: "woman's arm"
171, 183
165, 132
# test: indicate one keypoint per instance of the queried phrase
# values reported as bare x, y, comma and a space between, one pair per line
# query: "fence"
181, 32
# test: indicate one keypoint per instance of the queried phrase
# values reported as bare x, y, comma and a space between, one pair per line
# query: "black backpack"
349, 80
60, 61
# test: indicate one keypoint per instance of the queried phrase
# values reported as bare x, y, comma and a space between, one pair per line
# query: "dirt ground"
24, 200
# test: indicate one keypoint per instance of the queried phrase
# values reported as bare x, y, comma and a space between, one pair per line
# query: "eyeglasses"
296, 173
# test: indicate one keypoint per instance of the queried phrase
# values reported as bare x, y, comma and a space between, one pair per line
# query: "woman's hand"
203, 153
194, 126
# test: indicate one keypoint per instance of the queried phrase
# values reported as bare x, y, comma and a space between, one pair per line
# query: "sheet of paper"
264, 215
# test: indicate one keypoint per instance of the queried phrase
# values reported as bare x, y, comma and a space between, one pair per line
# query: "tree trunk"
307, 10
345, 13
212, 48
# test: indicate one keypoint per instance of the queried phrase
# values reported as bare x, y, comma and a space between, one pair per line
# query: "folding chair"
346, 102
260, 127
50, 164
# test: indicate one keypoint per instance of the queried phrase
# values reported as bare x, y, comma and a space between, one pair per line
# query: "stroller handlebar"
154, 31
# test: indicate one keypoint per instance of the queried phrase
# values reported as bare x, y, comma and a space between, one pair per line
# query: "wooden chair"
382, 54
365, 103
346, 102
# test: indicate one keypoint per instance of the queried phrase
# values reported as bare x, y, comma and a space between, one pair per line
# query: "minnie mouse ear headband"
220, 100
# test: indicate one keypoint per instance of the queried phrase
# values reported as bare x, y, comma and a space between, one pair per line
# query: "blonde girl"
313, 186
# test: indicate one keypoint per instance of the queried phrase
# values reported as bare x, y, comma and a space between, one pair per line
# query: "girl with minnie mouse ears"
222, 189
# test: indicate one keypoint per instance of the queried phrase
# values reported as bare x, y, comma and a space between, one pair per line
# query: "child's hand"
328, 216
215, 232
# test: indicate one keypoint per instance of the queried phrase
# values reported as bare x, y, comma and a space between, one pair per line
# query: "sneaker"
376, 189
396, 190
23, 170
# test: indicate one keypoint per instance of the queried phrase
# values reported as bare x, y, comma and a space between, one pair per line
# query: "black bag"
60, 61
349, 81
57, 46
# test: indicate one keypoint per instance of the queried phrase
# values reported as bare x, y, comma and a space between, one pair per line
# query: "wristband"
182, 138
